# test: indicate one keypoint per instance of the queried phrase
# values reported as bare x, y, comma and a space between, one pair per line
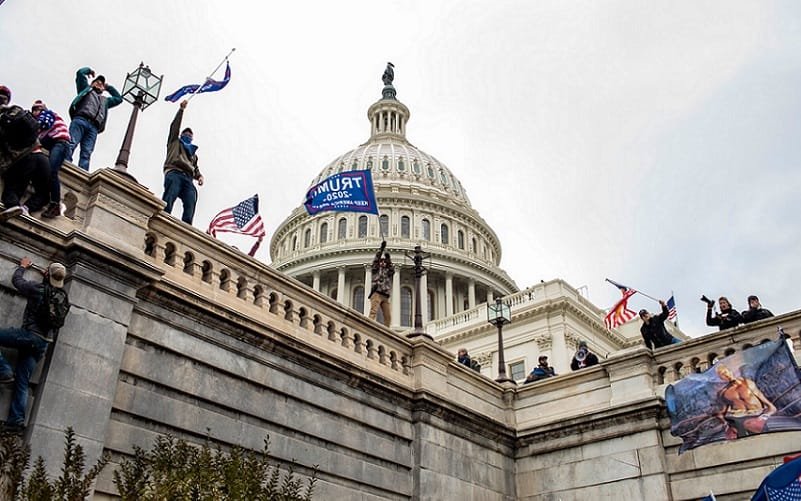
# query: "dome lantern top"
388, 116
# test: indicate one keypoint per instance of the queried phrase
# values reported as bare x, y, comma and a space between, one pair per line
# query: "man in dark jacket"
464, 358
755, 311
30, 340
583, 357
180, 168
88, 112
728, 316
542, 371
653, 328
383, 271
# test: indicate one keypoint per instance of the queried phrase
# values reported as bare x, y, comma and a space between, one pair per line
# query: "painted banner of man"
757, 390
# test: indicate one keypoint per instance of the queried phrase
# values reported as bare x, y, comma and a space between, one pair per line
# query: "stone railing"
522, 299
698, 354
109, 209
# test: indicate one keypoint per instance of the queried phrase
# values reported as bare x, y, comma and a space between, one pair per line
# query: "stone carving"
389, 74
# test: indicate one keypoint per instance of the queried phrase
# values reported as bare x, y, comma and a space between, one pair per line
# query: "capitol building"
422, 202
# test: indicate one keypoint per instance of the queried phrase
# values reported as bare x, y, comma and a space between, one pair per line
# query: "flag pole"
210, 75
676, 323
638, 291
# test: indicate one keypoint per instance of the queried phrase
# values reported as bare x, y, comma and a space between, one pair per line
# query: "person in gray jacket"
89, 111
180, 168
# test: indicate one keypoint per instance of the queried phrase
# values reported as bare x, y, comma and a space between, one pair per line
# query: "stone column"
448, 294
424, 297
395, 299
341, 285
471, 293
316, 281
490, 296
560, 359
368, 284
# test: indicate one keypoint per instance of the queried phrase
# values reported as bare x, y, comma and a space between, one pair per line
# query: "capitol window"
358, 299
370, 163
324, 233
342, 231
385, 164
460, 239
517, 370
383, 221
430, 171
401, 165
295, 243
362, 226
354, 165
426, 229
443, 233
406, 307
444, 177
416, 167
430, 302
307, 238
341, 167
405, 226
474, 249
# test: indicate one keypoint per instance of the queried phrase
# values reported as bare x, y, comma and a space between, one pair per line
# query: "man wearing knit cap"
755, 311
5, 95
54, 135
88, 112
30, 340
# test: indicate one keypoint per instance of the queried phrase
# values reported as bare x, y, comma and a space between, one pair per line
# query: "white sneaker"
11, 212
25, 211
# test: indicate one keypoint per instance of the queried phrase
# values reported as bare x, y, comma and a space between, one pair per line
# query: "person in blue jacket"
89, 111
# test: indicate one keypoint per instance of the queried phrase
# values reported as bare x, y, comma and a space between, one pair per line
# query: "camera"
708, 301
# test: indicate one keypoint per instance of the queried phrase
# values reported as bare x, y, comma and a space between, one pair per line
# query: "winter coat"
83, 89
33, 292
725, 319
654, 333
754, 314
177, 156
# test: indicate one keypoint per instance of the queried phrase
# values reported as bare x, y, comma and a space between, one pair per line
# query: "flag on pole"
242, 218
782, 484
672, 313
210, 86
620, 313
350, 191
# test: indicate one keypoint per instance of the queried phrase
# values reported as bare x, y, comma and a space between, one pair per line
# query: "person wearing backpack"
47, 307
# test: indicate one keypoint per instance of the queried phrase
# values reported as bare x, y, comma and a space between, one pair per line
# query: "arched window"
430, 171
362, 226
430, 300
426, 229
385, 164
295, 243
358, 299
324, 233
307, 238
443, 177
406, 307
370, 163
354, 165
460, 239
342, 231
443, 234
341, 167
405, 226
416, 167
474, 249
401, 165
333, 293
384, 222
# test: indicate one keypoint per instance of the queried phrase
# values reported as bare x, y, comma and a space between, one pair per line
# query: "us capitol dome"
420, 202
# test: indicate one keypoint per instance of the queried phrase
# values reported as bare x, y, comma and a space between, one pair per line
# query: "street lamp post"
499, 314
141, 89
417, 259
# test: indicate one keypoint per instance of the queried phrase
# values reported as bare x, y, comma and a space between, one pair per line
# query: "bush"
173, 469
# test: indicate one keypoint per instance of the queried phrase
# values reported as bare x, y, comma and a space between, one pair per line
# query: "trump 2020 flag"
757, 390
242, 218
782, 484
209, 86
350, 191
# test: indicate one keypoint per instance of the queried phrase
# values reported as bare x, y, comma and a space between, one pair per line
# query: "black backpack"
53, 308
18, 128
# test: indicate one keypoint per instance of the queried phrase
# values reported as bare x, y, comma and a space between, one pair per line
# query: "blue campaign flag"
783, 483
350, 191
209, 86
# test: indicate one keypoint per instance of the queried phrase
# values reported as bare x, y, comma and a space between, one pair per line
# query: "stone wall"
174, 332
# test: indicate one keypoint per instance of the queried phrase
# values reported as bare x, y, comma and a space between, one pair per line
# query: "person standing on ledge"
755, 311
89, 111
383, 271
180, 168
653, 328
47, 307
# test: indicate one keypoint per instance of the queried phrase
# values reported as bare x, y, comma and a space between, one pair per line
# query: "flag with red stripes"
242, 218
672, 313
620, 313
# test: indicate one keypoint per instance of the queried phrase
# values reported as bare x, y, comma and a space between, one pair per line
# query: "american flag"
242, 218
782, 484
620, 313
672, 313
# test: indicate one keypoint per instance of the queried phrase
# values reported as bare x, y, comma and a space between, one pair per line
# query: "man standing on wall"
180, 168
47, 307
383, 271
88, 112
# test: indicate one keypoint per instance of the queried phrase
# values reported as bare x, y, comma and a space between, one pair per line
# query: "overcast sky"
656, 143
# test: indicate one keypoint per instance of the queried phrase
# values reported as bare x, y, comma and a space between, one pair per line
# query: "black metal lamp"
141, 89
499, 314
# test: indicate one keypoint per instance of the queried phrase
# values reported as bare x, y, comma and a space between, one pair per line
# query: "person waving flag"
210, 85
620, 313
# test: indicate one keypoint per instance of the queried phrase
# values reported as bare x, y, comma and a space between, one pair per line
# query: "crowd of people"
24, 135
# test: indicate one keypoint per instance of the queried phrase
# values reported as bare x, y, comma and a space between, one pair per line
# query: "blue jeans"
83, 132
58, 153
30, 349
180, 185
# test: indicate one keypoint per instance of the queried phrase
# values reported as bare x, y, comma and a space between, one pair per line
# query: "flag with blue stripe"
210, 86
350, 191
